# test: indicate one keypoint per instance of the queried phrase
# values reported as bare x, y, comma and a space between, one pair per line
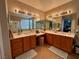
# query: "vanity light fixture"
64, 13
16, 10
29, 14
22, 12
70, 11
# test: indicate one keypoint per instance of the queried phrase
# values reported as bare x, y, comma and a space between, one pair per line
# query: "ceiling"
44, 5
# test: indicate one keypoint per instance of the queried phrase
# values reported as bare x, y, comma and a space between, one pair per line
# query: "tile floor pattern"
44, 53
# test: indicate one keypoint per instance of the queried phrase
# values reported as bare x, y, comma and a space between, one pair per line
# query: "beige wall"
74, 25
13, 4
76, 7
65, 7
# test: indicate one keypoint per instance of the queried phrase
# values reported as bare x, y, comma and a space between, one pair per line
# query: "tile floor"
44, 53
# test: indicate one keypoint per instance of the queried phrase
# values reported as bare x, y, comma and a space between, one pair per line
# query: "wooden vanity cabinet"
21, 45
29, 42
66, 43
69, 44
53, 40
16, 47
26, 43
49, 39
32, 41
62, 42
56, 40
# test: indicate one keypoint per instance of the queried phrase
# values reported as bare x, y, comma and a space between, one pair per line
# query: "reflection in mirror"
47, 25
19, 24
14, 23
56, 23
40, 25
27, 24
53, 23
14, 26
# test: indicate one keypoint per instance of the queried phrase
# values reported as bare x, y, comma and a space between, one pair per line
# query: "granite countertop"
67, 34
39, 34
15, 36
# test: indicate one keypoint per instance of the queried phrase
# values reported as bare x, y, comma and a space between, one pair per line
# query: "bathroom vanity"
21, 44
24, 42
60, 40
50, 30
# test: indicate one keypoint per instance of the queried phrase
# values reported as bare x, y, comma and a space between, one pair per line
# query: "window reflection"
24, 24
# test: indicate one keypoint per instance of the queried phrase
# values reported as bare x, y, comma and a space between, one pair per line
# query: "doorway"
67, 21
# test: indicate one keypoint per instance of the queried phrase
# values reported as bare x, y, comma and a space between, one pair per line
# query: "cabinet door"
69, 44
16, 47
49, 39
53, 39
63, 43
26, 43
57, 41
32, 41
66, 44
